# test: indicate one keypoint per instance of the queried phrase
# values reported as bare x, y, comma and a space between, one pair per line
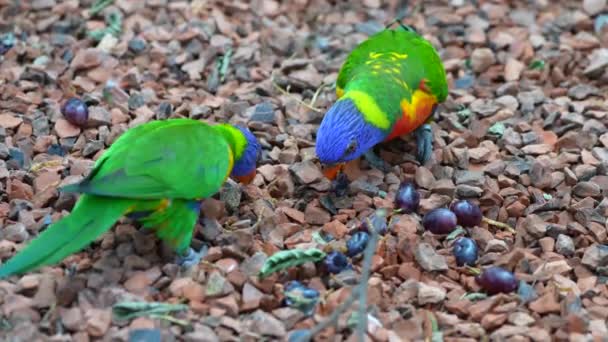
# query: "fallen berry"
496, 280
439, 221
407, 198
468, 214
465, 251
357, 243
335, 262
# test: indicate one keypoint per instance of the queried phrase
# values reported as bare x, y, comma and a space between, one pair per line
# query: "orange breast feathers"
414, 114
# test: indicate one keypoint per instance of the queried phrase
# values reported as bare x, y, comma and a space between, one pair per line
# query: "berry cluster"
442, 221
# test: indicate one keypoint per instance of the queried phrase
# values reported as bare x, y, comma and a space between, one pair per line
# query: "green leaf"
224, 64
436, 335
5, 324
464, 114
128, 310
473, 296
468, 64
316, 237
114, 27
353, 320
455, 233
537, 64
290, 258
497, 129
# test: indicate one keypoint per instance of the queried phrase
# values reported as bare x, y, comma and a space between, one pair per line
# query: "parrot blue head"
344, 135
246, 156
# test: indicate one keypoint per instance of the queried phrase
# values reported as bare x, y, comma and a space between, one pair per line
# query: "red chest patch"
402, 127
410, 122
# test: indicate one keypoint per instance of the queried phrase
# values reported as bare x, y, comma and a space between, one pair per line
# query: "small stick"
285, 92
498, 224
170, 319
49, 163
365, 272
359, 292
314, 97
333, 318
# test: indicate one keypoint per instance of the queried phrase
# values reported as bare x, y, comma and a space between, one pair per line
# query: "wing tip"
76, 187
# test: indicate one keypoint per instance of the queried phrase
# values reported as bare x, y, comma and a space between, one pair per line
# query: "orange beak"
246, 179
332, 171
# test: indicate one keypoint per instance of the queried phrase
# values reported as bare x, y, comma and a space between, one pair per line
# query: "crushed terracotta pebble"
523, 133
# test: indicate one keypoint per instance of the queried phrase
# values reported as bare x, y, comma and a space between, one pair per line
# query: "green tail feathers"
92, 216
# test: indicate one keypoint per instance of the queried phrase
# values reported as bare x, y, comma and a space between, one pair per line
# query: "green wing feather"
375, 68
178, 158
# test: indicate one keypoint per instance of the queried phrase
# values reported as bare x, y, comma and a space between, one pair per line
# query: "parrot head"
344, 135
246, 156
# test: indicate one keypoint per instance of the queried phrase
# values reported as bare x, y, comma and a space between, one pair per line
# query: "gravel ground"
523, 133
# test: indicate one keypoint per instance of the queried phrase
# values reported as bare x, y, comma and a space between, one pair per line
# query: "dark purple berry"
336, 262
75, 111
465, 251
407, 198
439, 221
378, 220
357, 243
467, 213
496, 279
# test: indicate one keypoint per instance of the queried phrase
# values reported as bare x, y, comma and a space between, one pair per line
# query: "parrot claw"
424, 143
191, 257
376, 162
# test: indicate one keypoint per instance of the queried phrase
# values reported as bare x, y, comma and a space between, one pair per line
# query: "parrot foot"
191, 257
424, 143
376, 162
340, 184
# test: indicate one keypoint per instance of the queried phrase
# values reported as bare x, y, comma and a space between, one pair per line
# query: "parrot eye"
352, 147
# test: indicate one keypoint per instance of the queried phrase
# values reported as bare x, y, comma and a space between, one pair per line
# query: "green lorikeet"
157, 173
389, 86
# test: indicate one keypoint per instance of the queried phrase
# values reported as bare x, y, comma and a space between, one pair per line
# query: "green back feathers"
390, 65
177, 158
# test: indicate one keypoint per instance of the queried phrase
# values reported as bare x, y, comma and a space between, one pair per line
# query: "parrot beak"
332, 171
246, 179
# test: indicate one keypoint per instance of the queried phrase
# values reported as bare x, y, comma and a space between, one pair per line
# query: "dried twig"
498, 224
365, 272
49, 163
333, 318
359, 292
285, 92
316, 95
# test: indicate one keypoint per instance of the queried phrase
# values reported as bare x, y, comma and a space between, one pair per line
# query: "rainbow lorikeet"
158, 173
389, 86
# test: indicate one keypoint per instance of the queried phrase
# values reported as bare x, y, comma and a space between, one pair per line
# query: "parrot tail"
92, 216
